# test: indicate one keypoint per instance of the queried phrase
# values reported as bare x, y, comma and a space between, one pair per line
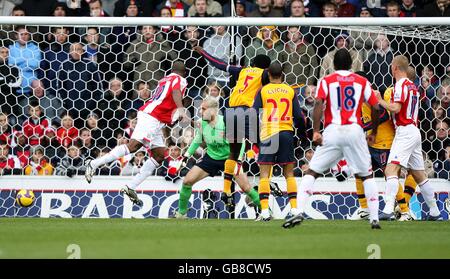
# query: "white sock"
147, 169
117, 152
305, 191
265, 213
391, 192
428, 195
371, 193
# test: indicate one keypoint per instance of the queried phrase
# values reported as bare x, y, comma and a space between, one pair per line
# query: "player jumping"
281, 108
163, 108
406, 148
343, 93
212, 132
240, 121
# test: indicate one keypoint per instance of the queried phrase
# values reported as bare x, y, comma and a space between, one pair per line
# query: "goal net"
71, 88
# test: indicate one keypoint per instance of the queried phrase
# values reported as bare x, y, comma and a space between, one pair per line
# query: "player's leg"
193, 176
417, 170
362, 212
410, 188
356, 152
264, 190
146, 170
230, 166
244, 184
288, 172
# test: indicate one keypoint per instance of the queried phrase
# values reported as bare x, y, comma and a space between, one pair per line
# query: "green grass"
153, 238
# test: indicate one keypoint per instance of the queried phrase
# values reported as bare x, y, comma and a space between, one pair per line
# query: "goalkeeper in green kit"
212, 132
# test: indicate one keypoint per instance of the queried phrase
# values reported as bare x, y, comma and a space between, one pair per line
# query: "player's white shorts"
343, 141
148, 131
406, 149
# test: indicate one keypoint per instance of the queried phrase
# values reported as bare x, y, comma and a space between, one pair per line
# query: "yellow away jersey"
247, 86
277, 116
386, 130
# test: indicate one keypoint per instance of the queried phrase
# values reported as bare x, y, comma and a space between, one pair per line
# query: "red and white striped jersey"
344, 93
161, 105
405, 92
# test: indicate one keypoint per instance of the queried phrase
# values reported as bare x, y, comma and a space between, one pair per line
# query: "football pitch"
191, 239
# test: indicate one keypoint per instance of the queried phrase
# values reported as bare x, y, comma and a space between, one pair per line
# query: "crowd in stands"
72, 93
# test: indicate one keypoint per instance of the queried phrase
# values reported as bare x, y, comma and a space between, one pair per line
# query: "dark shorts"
241, 123
211, 166
379, 158
278, 149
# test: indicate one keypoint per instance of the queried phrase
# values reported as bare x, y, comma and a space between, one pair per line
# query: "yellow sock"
401, 199
264, 191
228, 174
360, 192
292, 191
410, 188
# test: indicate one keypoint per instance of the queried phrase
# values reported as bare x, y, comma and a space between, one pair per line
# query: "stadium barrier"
74, 198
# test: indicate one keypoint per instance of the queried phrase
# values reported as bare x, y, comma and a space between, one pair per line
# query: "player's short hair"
261, 61
411, 73
342, 60
211, 102
178, 67
275, 70
402, 62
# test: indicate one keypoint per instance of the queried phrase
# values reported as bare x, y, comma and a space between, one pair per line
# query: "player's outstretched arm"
219, 64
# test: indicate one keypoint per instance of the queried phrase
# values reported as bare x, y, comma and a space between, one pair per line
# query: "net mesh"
72, 93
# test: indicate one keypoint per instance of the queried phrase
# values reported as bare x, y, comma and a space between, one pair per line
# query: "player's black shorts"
241, 123
379, 158
278, 149
211, 166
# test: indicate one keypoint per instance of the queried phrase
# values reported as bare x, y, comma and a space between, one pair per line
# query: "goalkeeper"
212, 132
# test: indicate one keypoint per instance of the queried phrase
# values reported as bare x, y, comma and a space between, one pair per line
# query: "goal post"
88, 102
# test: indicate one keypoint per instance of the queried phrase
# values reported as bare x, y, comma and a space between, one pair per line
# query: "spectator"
213, 89
438, 138
297, 8
378, 65
39, 7
96, 9
376, 8
26, 56
113, 110
302, 63
242, 8
342, 41
344, 9
131, 125
38, 165
54, 56
50, 104
363, 40
176, 7
393, 9
92, 124
196, 65
280, 5
67, 132
133, 166
9, 81
79, 83
18, 10
149, 57
171, 167
264, 10
443, 98
89, 149
325, 38
439, 8
170, 32
205, 8
442, 168
100, 53
144, 7
6, 8
33, 128
52, 148
21, 148
9, 164
219, 45
72, 164
78, 8
407, 9
267, 42
143, 95
5, 128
